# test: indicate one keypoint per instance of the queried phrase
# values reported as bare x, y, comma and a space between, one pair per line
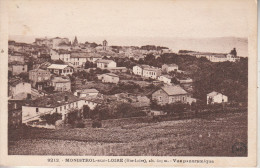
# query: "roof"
54, 100
111, 74
15, 81
213, 94
167, 76
38, 70
171, 65
16, 63
173, 90
88, 91
104, 61
84, 55
59, 79
95, 100
151, 69
62, 51
57, 66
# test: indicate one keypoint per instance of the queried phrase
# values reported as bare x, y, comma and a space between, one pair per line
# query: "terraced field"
213, 135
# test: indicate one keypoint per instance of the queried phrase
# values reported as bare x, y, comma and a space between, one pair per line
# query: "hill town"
55, 78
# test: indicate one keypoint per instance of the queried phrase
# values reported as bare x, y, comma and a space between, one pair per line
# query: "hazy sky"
146, 18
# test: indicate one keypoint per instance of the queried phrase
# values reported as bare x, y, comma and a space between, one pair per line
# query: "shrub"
96, 124
51, 118
80, 124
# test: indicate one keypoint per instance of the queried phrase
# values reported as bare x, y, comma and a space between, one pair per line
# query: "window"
56, 110
65, 107
160, 98
60, 108
37, 110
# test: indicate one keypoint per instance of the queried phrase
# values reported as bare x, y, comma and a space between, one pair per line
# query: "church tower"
104, 45
75, 42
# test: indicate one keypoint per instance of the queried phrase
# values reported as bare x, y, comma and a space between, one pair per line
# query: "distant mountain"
217, 44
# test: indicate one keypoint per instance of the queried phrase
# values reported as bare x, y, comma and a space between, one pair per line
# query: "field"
213, 135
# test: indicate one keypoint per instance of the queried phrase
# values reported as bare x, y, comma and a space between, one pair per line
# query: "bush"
96, 124
51, 118
80, 124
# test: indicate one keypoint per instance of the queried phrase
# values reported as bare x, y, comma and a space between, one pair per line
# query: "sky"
124, 18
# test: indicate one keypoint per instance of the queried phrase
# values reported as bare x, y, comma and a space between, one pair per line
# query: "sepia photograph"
137, 79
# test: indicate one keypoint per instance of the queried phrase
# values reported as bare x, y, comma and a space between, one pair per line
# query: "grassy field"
213, 135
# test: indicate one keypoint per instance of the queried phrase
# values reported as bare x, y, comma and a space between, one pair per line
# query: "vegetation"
51, 118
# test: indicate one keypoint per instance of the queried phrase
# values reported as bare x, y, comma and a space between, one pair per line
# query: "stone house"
170, 94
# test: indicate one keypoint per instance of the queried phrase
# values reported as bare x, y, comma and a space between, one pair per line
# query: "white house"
215, 97
61, 54
61, 103
60, 69
86, 93
103, 64
109, 78
61, 84
165, 79
152, 72
138, 69
80, 58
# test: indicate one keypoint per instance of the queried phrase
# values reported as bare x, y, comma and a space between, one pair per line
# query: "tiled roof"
167, 76
57, 66
174, 90
84, 55
88, 91
38, 70
53, 100
15, 81
95, 100
104, 61
59, 79
16, 63
111, 74
213, 93
62, 51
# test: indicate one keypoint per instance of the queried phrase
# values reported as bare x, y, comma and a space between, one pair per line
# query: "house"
215, 97
152, 72
15, 113
60, 54
18, 90
55, 103
86, 93
39, 75
169, 67
16, 57
165, 79
80, 58
92, 102
61, 69
138, 69
17, 67
103, 64
117, 69
170, 94
109, 78
61, 84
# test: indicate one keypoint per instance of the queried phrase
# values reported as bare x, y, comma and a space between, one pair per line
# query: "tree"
24, 76
51, 118
73, 116
86, 111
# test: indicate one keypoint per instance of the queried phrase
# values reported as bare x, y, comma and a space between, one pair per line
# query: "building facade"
103, 64
215, 97
61, 69
170, 94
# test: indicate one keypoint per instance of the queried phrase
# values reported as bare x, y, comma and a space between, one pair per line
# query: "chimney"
66, 98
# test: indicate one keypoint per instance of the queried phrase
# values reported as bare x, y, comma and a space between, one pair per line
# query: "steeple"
75, 42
